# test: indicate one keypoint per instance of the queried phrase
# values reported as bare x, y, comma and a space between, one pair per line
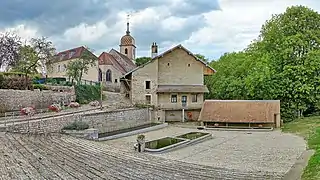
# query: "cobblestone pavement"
245, 151
64, 157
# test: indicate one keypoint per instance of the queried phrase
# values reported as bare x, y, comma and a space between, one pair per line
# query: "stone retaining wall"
103, 121
14, 100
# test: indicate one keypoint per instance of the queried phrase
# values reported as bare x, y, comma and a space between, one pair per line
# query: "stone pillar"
182, 115
141, 143
92, 134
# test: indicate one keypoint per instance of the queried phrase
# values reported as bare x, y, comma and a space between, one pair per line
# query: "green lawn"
309, 128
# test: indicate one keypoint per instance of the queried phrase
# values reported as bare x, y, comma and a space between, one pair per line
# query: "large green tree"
142, 60
282, 63
34, 56
77, 68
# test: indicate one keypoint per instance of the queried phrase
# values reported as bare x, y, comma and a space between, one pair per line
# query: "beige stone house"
58, 67
173, 82
108, 69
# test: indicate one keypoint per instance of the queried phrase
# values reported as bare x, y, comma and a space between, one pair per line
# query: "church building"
114, 64
110, 65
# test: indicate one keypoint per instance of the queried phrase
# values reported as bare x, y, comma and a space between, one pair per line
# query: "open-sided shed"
252, 113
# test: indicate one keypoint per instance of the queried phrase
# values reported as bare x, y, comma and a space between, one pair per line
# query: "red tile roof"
70, 54
108, 59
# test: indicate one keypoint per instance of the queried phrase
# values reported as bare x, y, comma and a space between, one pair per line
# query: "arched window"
100, 75
108, 75
126, 51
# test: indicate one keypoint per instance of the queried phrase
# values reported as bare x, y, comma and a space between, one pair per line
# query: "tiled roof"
183, 88
126, 63
127, 40
69, 54
108, 59
168, 51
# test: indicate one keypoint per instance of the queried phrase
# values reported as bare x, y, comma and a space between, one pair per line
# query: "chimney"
154, 50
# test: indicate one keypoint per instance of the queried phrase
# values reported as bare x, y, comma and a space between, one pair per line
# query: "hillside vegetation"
283, 63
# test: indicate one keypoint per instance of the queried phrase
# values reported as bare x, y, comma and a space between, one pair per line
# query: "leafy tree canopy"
142, 60
282, 63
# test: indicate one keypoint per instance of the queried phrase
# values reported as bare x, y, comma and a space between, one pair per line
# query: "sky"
208, 27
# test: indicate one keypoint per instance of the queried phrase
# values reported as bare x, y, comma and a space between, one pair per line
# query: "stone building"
58, 66
173, 82
109, 66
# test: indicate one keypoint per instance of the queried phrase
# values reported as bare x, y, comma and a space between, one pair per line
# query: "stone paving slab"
246, 151
64, 157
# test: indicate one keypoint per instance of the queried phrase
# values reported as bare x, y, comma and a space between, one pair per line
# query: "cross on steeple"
128, 29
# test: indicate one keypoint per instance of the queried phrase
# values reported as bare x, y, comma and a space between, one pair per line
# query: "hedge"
14, 82
87, 93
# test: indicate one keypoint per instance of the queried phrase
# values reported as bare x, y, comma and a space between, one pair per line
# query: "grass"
309, 128
192, 135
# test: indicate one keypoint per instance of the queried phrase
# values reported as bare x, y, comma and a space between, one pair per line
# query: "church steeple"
128, 26
127, 43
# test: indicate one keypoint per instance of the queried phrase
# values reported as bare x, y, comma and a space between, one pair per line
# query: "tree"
33, 56
202, 57
282, 63
9, 47
142, 60
77, 68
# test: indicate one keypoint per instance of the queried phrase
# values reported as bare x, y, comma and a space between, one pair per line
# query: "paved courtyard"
255, 151
229, 155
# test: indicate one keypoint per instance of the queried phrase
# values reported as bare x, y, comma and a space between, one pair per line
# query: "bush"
40, 86
76, 125
14, 82
87, 93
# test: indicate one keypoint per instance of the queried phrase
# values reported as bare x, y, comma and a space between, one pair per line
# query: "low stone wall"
14, 100
103, 121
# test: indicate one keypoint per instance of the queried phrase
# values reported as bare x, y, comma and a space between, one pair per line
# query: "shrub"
76, 125
40, 86
55, 107
74, 105
14, 82
87, 93
28, 111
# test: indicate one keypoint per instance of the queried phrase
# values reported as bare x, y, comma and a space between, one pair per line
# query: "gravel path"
64, 157
255, 151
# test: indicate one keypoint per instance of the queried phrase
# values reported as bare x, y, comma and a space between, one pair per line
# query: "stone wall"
14, 100
103, 121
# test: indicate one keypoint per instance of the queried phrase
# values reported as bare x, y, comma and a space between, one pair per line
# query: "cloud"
236, 25
209, 27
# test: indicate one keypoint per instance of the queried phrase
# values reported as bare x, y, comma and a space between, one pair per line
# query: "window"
184, 99
188, 65
148, 84
71, 54
62, 56
108, 76
115, 80
174, 98
194, 97
168, 64
100, 75
148, 99
126, 51
59, 68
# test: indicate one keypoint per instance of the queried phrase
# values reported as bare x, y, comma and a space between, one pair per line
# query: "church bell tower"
127, 44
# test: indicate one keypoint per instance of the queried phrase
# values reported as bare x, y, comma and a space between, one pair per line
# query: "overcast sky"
207, 27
